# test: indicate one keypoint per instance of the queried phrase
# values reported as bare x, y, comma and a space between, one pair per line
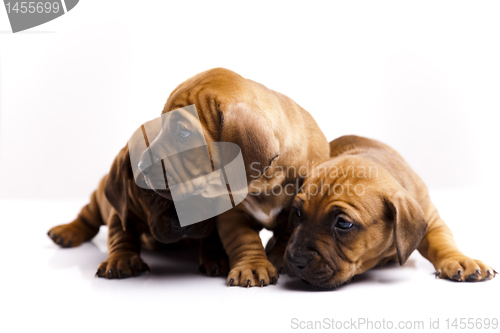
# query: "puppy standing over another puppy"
363, 207
272, 132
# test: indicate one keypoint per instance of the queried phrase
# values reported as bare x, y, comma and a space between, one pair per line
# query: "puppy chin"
318, 274
323, 280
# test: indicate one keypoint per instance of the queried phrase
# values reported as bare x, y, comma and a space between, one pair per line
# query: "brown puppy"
273, 133
363, 207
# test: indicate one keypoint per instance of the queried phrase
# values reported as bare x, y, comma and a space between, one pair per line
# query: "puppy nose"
299, 260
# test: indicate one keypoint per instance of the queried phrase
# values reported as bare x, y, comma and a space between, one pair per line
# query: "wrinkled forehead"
355, 188
361, 208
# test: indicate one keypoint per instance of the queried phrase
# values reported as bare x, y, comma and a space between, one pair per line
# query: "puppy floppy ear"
252, 132
117, 184
409, 223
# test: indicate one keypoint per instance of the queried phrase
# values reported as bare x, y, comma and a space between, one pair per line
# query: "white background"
420, 76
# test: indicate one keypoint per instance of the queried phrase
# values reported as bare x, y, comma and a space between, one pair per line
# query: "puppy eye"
182, 131
297, 212
342, 223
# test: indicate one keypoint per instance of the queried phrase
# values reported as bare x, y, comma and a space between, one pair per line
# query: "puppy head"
228, 108
178, 153
347, 220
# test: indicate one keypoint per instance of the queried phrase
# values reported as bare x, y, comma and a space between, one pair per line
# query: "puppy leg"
213, 259
82, 229
275, 248
123, 252
439, 247
247, 258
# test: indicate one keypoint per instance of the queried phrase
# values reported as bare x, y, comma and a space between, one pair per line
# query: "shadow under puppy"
363, 207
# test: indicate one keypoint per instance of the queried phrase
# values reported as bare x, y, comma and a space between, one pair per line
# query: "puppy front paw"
462, 268
252, 273
122, 265
66, 235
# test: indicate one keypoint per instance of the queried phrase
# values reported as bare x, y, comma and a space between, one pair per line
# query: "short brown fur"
390, 212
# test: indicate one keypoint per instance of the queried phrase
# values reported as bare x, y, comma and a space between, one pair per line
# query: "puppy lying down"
365, 207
